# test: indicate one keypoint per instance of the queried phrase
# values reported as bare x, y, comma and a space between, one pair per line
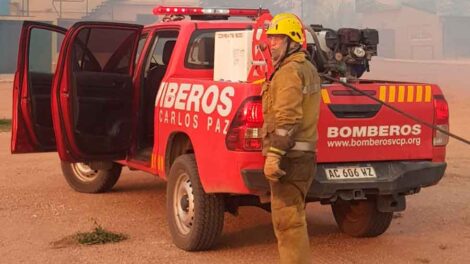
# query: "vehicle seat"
206, 51
152, 83
155, 75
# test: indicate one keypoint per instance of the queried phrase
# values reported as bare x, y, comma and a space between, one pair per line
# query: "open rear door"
32, 129
93, 92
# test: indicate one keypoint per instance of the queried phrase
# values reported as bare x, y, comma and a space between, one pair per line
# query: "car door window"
104, 50
159, 57
41, 58
140, 46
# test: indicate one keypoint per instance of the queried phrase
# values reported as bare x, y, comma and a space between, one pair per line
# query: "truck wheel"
84, 179
361, 218
195, 218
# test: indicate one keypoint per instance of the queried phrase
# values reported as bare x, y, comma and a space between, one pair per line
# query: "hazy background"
429, 38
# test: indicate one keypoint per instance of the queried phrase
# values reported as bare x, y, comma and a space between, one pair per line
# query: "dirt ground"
37, 207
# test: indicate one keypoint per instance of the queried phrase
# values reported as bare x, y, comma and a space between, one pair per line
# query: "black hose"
352, 87
317, 45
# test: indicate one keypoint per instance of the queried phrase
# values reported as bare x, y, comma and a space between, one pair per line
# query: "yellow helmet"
287, 24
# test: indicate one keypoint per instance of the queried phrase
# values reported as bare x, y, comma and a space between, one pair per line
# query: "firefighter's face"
276, 41
277, 44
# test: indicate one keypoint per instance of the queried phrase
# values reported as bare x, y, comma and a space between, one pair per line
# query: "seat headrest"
167, 51
206, 50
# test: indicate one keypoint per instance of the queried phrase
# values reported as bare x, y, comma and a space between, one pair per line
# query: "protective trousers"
288, 207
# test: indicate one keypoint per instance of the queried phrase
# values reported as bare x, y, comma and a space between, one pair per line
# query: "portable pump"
345, 52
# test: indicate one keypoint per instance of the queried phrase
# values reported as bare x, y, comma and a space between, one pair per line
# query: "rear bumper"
395, 178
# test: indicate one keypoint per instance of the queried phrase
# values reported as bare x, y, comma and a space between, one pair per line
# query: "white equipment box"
232, 58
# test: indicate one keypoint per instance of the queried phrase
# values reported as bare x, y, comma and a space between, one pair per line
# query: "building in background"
65, 13
419, 29
4, 8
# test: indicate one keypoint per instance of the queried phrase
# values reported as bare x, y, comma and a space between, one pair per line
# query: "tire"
195, 218
361, 218
83, 179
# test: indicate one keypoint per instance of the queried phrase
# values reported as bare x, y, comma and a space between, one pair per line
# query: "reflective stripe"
419, 94
391, 95
260, 81
383, 93
405, 93
160, 163
153, 161
401, 94
325, 96
427, 95
277, 151
303, 146
411, 91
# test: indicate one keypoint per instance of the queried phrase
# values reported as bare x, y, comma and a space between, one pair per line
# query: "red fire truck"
167, 99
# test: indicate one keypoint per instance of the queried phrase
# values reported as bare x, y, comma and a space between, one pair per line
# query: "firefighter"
291, 100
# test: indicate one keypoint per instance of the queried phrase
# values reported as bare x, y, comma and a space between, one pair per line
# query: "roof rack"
173, 13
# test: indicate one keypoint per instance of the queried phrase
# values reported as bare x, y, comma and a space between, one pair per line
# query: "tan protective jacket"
291, 103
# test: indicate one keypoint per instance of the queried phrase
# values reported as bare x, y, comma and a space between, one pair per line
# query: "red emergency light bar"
199, 11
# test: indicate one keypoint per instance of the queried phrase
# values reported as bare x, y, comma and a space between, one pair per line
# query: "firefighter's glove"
272, 171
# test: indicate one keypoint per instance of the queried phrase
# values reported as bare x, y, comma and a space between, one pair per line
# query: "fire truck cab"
146, 98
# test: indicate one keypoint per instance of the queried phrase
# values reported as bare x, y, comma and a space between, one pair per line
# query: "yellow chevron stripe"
153, 162
419, 94
401, 94
383, 93
391, 94
325, 96
260, 81
160, 166
428, 95
410, 95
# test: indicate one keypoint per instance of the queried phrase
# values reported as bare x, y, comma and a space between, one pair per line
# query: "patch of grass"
5, 125
99, 236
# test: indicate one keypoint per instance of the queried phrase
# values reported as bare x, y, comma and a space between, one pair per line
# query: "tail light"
441, 120
245, 131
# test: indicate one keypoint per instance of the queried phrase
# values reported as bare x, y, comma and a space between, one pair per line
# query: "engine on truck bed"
345, 52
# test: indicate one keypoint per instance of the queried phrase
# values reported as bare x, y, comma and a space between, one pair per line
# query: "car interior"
157, 60
39, 86
103, 90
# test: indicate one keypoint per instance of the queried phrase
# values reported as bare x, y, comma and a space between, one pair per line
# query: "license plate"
349, 173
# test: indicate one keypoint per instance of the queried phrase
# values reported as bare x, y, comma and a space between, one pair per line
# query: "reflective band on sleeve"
277, 151
304, 146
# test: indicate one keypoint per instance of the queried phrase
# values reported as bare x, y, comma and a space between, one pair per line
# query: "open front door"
93, 92
32, 129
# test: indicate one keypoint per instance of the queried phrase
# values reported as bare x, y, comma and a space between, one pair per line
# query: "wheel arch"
179, 143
